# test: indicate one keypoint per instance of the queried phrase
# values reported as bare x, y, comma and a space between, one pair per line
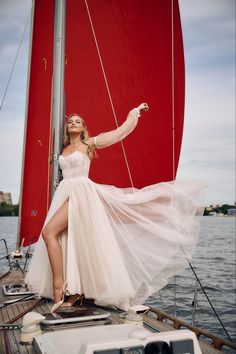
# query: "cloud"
13, 19
204, 10
208, 149
11, 144
209, 33
13, 15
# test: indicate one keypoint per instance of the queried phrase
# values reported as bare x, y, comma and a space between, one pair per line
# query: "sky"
208, 148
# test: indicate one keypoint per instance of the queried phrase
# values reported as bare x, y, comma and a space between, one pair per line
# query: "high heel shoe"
59, 303
73, 299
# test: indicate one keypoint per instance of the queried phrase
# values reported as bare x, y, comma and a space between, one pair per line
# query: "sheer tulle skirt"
121, 244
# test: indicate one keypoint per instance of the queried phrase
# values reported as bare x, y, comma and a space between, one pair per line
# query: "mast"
58, 88
18, 239
44, 104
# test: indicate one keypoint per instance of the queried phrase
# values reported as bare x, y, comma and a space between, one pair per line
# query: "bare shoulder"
66, 149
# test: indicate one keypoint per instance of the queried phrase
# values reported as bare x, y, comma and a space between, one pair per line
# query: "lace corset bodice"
76, 164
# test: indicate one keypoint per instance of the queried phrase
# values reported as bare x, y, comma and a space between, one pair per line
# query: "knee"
46, 234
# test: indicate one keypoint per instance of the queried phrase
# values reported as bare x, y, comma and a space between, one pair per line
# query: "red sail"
118, 54
36, 179
135, 42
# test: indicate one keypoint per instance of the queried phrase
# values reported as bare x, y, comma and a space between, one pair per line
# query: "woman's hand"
143, 107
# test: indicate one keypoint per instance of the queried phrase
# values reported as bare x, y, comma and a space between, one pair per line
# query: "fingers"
144, 106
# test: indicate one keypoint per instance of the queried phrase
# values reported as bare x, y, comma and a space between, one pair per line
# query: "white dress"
121, 245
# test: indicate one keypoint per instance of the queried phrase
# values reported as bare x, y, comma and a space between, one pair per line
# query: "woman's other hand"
143, 107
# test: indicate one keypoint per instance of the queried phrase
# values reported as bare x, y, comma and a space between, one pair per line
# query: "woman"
114, 245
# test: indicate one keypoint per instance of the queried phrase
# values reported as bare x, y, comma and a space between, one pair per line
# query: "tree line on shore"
13, 210
9, 210
219, 209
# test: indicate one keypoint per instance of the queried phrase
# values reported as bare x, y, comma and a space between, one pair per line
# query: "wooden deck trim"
10, 335
217, 342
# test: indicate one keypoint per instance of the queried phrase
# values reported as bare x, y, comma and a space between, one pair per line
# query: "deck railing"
217, 342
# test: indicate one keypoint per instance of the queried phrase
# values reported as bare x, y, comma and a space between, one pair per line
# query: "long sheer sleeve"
114, 136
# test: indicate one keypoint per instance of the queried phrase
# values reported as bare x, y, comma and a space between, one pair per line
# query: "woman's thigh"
58, 222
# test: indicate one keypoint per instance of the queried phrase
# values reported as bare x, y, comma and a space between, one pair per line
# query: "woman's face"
75, 125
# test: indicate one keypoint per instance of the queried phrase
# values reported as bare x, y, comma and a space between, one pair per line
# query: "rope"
108, 90
208, 299
8, 82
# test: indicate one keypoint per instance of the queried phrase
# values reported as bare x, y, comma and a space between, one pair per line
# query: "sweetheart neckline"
80, 152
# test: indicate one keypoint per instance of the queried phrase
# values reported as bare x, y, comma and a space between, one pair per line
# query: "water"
214, 263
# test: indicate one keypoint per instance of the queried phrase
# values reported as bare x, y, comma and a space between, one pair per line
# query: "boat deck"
13, 314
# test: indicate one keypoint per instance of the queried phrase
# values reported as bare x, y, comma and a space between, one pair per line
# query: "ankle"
58, 284
58, 291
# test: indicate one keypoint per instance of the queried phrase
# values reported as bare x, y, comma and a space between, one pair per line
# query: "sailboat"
105, 72
111, 55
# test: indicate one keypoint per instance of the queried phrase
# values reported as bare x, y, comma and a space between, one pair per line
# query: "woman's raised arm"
114, 136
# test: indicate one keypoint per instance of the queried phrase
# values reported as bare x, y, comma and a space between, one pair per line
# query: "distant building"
212, 213
216, 206
231, 212
208, 208
5, 198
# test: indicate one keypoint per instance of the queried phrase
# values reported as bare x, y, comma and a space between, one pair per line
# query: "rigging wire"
208, 299
108, 90
14, 63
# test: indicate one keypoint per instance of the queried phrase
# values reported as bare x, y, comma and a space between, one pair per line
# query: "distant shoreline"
212, 210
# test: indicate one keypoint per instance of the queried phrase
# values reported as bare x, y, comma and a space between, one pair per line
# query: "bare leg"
51, 231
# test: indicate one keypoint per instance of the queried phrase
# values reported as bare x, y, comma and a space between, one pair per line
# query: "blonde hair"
84, 135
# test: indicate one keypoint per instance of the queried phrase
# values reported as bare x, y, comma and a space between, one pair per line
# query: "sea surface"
214, 264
